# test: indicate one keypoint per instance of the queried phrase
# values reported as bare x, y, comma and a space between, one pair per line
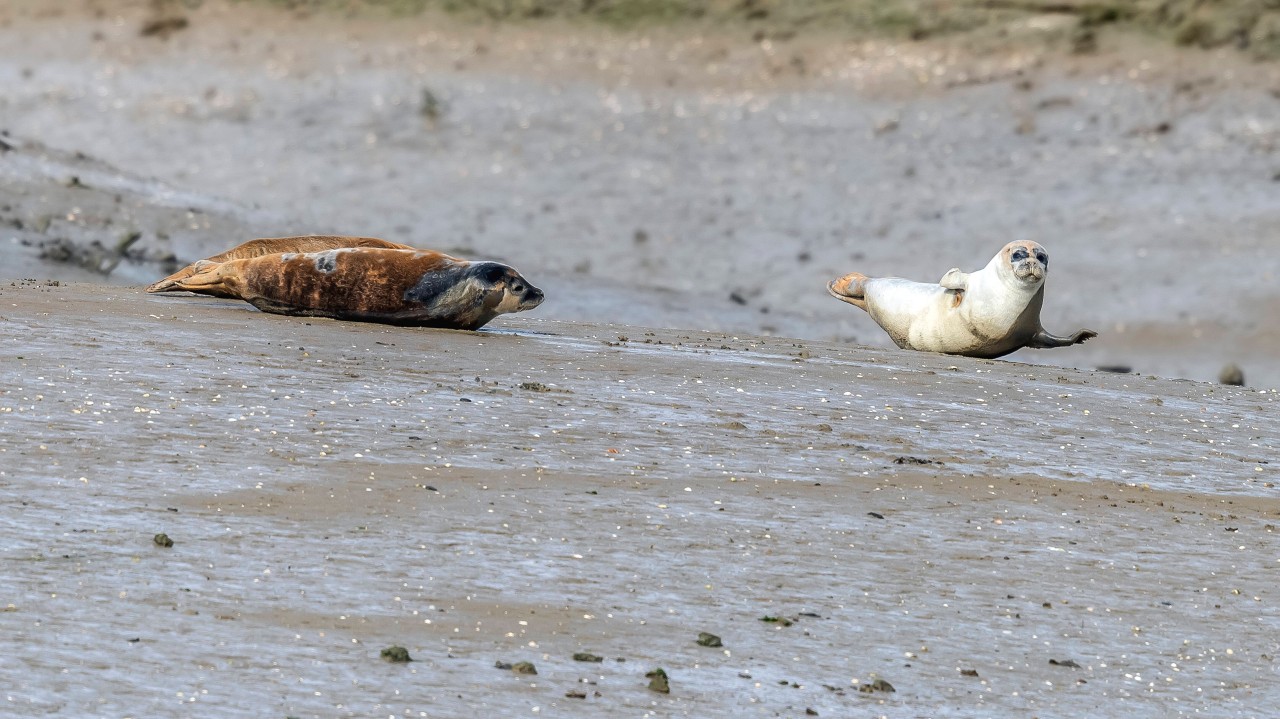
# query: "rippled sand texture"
990, 538
670, 179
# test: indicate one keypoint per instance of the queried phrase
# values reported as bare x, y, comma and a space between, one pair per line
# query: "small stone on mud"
912, 460
162, 540
396, 654
780, 621
877, 515
708, 639
1231, 375
587, 657
163, 27
810, 711
574, 694
524, 668
879, 685
1064, 663
658, 681
535, 387
969, 672
505, 666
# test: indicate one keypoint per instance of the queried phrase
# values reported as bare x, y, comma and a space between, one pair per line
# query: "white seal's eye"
1019, 255
1044, 259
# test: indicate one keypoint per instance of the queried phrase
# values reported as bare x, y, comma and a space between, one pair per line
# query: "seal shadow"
514, 332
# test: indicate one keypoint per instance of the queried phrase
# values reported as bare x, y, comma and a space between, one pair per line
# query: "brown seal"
270, 246
370, 284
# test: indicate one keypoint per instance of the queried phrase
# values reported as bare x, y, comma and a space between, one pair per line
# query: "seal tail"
849, 289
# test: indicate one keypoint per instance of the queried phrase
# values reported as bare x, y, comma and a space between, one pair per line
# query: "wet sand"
991, 538
669, 178
543, 488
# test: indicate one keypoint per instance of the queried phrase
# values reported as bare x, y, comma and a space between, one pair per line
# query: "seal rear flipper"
202, 277
169, 284
849, 288
1042, 340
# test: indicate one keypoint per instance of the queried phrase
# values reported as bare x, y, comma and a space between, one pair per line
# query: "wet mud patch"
326, 514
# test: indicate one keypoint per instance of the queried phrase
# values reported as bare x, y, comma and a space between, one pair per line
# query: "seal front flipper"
955, 279
1042, 340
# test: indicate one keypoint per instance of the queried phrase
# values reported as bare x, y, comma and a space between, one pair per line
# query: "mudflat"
986, 538
210, 511
700, 177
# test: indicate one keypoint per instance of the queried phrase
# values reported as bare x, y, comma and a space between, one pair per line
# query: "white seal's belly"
931, 318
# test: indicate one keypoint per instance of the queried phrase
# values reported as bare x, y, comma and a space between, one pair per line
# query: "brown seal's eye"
1019, 255
516, 287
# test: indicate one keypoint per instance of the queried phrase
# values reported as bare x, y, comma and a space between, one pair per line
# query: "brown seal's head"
1028, 260
517, 295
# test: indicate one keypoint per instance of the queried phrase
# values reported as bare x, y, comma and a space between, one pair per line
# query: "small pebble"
396, 655
162, 540
879, 685
658, 681
707, 639
1231, 375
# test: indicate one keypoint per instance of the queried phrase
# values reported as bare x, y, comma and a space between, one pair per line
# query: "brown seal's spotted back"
347, 282
273, 245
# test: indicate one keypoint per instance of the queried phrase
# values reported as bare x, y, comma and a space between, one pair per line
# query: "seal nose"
532, 297
1029, 269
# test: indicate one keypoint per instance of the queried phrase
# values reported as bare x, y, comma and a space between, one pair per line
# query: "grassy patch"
1251, 25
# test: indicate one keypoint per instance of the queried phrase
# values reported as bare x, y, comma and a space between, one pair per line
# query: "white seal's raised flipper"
987, 313
955, 279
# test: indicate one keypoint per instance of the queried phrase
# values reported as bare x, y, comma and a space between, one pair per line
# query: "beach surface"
663, 177
990, 538
210, 511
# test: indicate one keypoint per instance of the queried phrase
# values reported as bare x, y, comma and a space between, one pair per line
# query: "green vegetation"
1251, 25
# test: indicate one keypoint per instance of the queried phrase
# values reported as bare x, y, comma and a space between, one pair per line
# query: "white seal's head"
1022, 263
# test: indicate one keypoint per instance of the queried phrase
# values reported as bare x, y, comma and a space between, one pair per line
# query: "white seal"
987, 313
